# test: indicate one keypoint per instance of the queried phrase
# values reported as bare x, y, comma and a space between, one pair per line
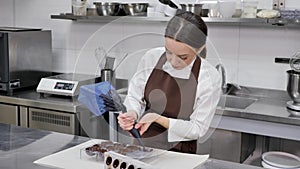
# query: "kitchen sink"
237, 102
231, 101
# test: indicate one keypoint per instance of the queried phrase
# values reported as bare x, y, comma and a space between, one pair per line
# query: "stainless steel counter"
270, 105
19, 147
266, 116
31, 98
269, 110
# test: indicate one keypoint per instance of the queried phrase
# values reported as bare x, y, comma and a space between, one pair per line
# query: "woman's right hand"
127, 120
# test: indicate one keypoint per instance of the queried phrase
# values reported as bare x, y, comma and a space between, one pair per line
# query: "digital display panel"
64, 86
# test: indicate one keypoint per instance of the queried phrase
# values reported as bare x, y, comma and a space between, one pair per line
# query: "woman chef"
175, 91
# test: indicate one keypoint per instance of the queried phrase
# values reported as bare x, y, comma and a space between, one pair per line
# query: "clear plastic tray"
119, 161
96, 151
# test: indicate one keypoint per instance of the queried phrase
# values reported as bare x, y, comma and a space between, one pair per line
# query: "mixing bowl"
134, 9
107, 8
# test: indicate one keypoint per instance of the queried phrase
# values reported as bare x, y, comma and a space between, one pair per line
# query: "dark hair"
188, 28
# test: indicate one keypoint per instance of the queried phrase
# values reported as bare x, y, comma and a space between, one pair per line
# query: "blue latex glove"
89, 96
102, 97
113, 101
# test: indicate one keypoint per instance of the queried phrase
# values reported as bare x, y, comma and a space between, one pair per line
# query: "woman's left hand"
146, 121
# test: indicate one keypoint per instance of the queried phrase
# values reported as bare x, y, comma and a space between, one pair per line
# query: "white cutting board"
70, 159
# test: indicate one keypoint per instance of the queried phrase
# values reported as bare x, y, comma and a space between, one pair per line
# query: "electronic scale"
65, 84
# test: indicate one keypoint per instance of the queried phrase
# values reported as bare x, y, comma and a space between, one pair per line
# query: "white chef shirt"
207, 95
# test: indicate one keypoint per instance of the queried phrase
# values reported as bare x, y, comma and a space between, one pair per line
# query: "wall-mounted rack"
103, 19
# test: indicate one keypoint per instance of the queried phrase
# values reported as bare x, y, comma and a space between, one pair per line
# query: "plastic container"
119, 161
212, 8
226, 8
96, 151
249, 9
79, 7
280, 160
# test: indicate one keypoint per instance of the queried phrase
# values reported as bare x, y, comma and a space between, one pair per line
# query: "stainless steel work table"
20, 147
266, 116
33, 99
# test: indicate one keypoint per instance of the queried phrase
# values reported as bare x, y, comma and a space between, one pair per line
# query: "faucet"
221, 69
227, 88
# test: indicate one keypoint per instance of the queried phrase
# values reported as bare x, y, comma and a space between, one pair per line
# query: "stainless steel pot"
195, 8
293, 86
135, 9
107, 9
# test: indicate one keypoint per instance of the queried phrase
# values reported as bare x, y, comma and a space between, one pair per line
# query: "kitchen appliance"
53, 120
293, 89
9, 114
25, 57
293, 86
65, 84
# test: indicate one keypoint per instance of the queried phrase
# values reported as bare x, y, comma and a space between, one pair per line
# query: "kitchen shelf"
104, 19
281, 21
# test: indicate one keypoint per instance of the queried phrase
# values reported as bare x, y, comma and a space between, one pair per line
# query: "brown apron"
173, 98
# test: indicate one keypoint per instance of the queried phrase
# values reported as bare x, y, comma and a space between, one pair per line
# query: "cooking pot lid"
281, 159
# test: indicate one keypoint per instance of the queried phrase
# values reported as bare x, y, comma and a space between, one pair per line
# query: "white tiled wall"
292, 4
7, 9
247, 51
258, 48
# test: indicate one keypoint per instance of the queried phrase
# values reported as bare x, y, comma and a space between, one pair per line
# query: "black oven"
3, 60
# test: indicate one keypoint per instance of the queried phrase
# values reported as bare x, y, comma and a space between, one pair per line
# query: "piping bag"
113, 102
102, 97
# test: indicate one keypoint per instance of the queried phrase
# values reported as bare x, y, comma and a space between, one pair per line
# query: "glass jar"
79, 7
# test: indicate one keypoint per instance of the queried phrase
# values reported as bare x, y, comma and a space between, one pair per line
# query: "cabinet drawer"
228, 145
8, 114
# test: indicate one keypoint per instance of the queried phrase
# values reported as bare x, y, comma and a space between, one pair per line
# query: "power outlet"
275, 4
281, 4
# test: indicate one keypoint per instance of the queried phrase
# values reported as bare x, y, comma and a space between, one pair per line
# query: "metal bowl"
135, 9
195, 8
107, 8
